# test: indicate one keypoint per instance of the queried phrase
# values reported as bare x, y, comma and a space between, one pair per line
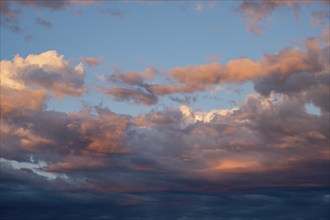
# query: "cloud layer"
279, 69
265, 158
175, 157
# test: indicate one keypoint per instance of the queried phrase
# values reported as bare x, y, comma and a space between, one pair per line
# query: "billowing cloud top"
38, 75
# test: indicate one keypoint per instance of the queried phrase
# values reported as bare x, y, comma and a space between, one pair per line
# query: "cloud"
114, 12
28, 38
256, 11
27, 83
47, 71
108, 165
43, 22
167, 205
286, 62
135, 88
52, 5
70, 134
305, 84
42, 4
259, 138
132, 77
11, 10
104, 134
90, 61
13, 99
171, 89
276, 68
183, 157
76, 163
184, 100
326, 35
134, 95
199, 7
320, 17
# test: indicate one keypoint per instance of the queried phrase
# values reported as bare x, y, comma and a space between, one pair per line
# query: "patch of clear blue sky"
162, 35
312, 109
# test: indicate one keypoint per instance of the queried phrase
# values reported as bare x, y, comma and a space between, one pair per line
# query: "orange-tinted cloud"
90, 61
176, 148
77, 163
13, 99
102, 135
48, 71
199, 78
286, 62
27, 83
191, 78
133, 78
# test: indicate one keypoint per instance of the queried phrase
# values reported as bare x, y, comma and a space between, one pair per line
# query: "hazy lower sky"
165, 109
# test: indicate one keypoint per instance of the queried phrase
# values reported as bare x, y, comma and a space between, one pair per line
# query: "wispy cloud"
256, 11
90, 61
42, 22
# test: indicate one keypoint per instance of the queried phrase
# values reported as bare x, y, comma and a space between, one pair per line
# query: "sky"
165, 109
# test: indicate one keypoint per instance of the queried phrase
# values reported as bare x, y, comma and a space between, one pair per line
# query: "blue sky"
162, 35
165, 109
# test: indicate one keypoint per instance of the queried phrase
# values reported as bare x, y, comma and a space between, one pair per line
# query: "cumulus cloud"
26, 83
48, 71
191, 160
13, 99
103, 134
69, 134
174, 149
305, 84
267, 142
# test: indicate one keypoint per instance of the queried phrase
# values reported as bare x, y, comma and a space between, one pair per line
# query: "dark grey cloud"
11, 11
22, 199
256, 11
243, 164
186, 100
137, 96
172, 149
312, 86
